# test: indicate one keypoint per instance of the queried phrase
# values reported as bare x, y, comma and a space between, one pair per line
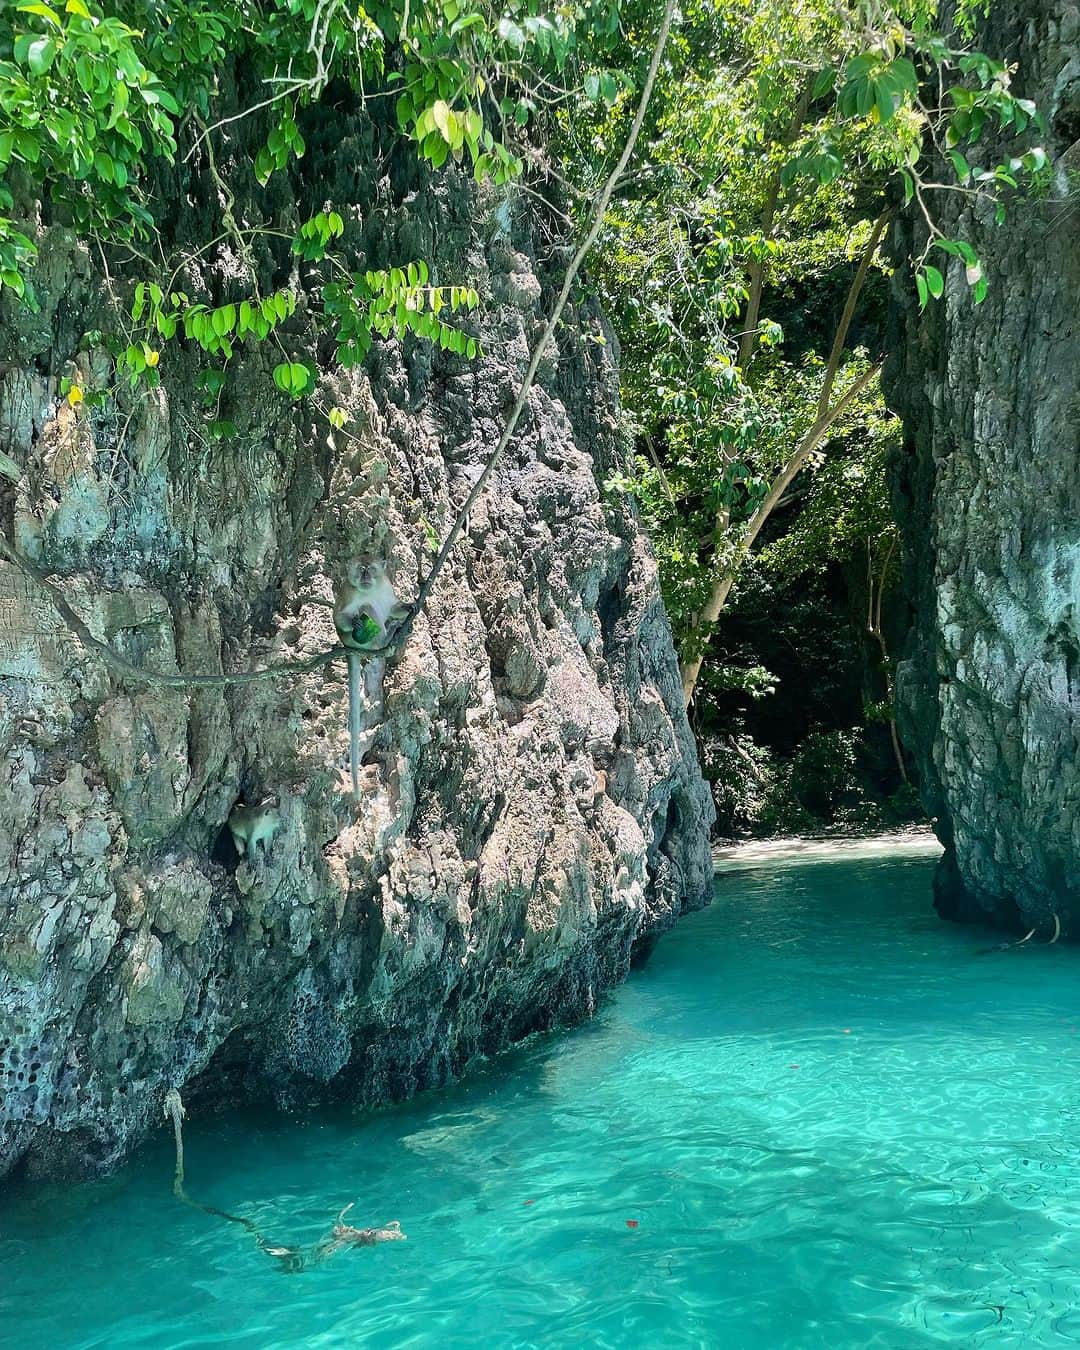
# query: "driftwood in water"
292, 1259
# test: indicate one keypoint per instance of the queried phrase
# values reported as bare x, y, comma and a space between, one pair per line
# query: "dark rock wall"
987, 490
532, 805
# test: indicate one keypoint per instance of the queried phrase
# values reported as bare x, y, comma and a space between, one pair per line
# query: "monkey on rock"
366, 610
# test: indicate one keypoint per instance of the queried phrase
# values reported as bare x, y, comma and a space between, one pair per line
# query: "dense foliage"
740, 260
95, 98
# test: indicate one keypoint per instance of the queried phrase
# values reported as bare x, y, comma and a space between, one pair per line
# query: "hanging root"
356, 694
174, 1107
1006, 946
1010, 946
290, 1259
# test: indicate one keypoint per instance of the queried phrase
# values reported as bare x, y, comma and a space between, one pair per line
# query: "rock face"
531, 804
988, 495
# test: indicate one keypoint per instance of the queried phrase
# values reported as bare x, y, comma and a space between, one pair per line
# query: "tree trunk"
826, 417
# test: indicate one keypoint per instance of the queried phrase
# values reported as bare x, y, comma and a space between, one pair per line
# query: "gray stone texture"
531, 802
987, 491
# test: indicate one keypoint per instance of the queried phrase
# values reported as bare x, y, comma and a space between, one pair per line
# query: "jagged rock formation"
531, 806
987, 492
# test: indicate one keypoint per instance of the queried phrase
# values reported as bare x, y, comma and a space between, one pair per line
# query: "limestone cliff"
531, 805
988, 494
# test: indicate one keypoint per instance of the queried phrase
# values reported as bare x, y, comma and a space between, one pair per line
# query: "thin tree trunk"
756, 269
826, 417
722, 586
748, 338
878, 634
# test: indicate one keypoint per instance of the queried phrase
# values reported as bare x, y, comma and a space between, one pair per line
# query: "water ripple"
816, 1118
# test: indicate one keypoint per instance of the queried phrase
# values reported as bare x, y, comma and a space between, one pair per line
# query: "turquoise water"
833, 1122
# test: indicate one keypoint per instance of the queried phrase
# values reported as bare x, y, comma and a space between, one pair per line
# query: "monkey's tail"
356, 686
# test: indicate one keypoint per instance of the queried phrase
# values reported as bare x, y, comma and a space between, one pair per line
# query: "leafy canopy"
781, 133
96, 98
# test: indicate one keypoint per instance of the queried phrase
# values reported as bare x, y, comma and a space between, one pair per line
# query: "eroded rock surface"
988, 496
531, 804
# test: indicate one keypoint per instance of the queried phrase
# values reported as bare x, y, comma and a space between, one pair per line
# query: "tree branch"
756, 269
724, 582
138, 674
599, 209
824, 419
832, 366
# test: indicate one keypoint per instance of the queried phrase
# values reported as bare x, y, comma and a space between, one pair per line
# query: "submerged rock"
531, 803
987, 488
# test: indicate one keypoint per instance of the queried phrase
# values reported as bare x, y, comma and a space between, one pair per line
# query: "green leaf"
441, 112
294, 378
823, 82
39, 55
935, 282
921, 287
510, 33
860, 66
213, 381
883, 100
904, 76
43, 12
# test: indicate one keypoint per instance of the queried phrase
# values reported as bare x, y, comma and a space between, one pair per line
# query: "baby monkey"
251, 826
366, 612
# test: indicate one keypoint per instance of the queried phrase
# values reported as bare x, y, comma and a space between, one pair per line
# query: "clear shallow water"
834, 1123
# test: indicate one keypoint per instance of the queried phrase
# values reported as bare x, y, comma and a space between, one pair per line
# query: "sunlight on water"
817, 1117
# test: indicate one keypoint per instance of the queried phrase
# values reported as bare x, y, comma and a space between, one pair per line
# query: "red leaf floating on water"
631, 1223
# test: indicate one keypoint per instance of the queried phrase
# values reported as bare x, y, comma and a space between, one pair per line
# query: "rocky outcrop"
531, 804
988, 496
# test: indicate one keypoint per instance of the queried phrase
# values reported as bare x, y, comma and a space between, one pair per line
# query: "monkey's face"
363, 573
